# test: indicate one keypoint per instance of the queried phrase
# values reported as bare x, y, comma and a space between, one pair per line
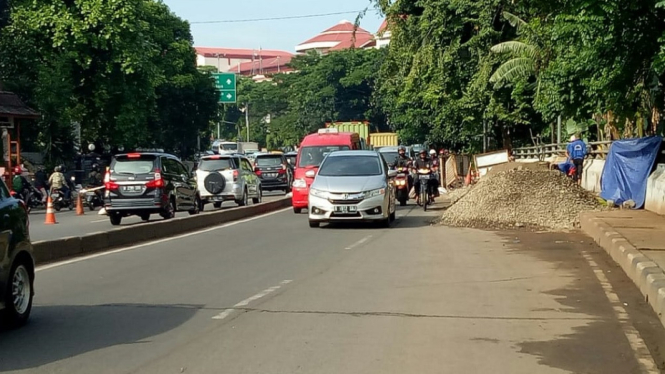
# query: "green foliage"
124, 69
339, 86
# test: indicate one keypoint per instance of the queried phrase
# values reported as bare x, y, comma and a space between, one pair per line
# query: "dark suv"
144, 183
17, 265
275, 172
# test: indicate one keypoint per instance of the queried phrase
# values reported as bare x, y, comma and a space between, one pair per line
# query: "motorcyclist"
435, 180
422, 163
57, 182
95, 177
41, 182
403, 161
20, 184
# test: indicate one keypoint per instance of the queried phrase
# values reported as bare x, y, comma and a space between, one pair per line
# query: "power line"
279, 18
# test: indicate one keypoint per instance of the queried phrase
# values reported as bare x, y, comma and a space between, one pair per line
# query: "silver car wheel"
21, 290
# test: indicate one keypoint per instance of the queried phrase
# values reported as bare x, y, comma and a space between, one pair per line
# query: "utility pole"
558, 130
247, 119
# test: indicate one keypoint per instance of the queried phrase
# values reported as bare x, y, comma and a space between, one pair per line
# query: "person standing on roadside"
576, 152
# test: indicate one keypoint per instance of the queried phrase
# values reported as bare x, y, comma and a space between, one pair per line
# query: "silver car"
352, 186
227, 177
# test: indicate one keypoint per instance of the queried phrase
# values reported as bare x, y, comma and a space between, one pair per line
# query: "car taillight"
158, 182
282, 170
111, 186
257, 171
235, 175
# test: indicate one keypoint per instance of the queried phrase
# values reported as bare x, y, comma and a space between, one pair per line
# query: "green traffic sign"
227, 96
226, 84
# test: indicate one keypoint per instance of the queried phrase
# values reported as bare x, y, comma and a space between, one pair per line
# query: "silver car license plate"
131, 188
346, 209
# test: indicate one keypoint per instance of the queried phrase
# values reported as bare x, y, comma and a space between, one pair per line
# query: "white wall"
655, 199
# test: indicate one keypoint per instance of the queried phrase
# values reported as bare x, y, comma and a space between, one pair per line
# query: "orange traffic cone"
79, 205
50, 212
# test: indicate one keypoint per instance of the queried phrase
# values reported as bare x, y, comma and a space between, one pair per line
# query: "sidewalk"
636, 241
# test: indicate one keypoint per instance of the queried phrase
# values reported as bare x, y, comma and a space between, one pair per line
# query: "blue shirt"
577, 149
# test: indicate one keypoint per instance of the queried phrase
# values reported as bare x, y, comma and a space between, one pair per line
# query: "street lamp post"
247, 119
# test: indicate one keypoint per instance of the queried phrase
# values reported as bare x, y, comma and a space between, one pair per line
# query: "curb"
47, 251
645, 273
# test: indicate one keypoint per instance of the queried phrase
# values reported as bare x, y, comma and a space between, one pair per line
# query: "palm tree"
524, 57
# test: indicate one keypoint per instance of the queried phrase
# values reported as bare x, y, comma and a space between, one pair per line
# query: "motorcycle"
402, 185
58, 197
94, 196
35, 199
424, 176
32, 198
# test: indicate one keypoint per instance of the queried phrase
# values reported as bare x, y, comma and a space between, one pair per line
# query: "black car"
17, 265
146, 183
274, 171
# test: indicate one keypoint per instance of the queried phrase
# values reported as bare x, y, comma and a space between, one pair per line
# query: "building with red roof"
241, 60
338, 37
382, 38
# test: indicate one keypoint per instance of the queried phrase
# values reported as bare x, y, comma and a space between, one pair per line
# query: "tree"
121, 69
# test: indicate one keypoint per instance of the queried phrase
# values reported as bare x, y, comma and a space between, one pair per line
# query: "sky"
274, 34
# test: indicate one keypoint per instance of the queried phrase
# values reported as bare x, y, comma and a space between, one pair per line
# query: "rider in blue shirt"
576, 152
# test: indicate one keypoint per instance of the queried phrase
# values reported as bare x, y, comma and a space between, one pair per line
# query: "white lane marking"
247, 301
639, 347
99, 220
359, 242
147, 244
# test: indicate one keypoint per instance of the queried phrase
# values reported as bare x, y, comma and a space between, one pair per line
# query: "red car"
311, 153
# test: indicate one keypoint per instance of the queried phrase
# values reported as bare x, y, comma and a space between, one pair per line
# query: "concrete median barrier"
54, 250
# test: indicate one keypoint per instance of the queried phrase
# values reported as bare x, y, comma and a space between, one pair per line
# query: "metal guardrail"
596, 150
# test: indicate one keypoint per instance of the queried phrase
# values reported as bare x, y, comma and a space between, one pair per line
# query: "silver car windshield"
351, 166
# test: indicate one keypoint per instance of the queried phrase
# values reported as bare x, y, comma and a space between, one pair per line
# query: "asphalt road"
271, 295
69, 224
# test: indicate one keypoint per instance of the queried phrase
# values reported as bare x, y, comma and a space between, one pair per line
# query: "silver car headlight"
318, 193
377, 192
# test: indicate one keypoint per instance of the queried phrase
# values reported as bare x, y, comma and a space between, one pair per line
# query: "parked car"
227, 177
17, 265
352, 186
146, 183
274, 171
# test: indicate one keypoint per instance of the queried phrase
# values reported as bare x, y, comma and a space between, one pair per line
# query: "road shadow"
55, 333
600, 343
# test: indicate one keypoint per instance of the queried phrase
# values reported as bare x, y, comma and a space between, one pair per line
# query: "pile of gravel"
538, 199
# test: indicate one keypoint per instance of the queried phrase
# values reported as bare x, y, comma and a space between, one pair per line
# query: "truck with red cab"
311, 153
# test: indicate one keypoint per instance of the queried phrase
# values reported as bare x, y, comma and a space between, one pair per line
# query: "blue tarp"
627, 169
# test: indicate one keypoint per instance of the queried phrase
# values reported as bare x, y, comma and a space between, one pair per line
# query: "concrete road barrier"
53, 250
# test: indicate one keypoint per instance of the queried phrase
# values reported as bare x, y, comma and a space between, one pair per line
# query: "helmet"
422, 152
432, 152
401, 148
17, 170
58, 168
442, 151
